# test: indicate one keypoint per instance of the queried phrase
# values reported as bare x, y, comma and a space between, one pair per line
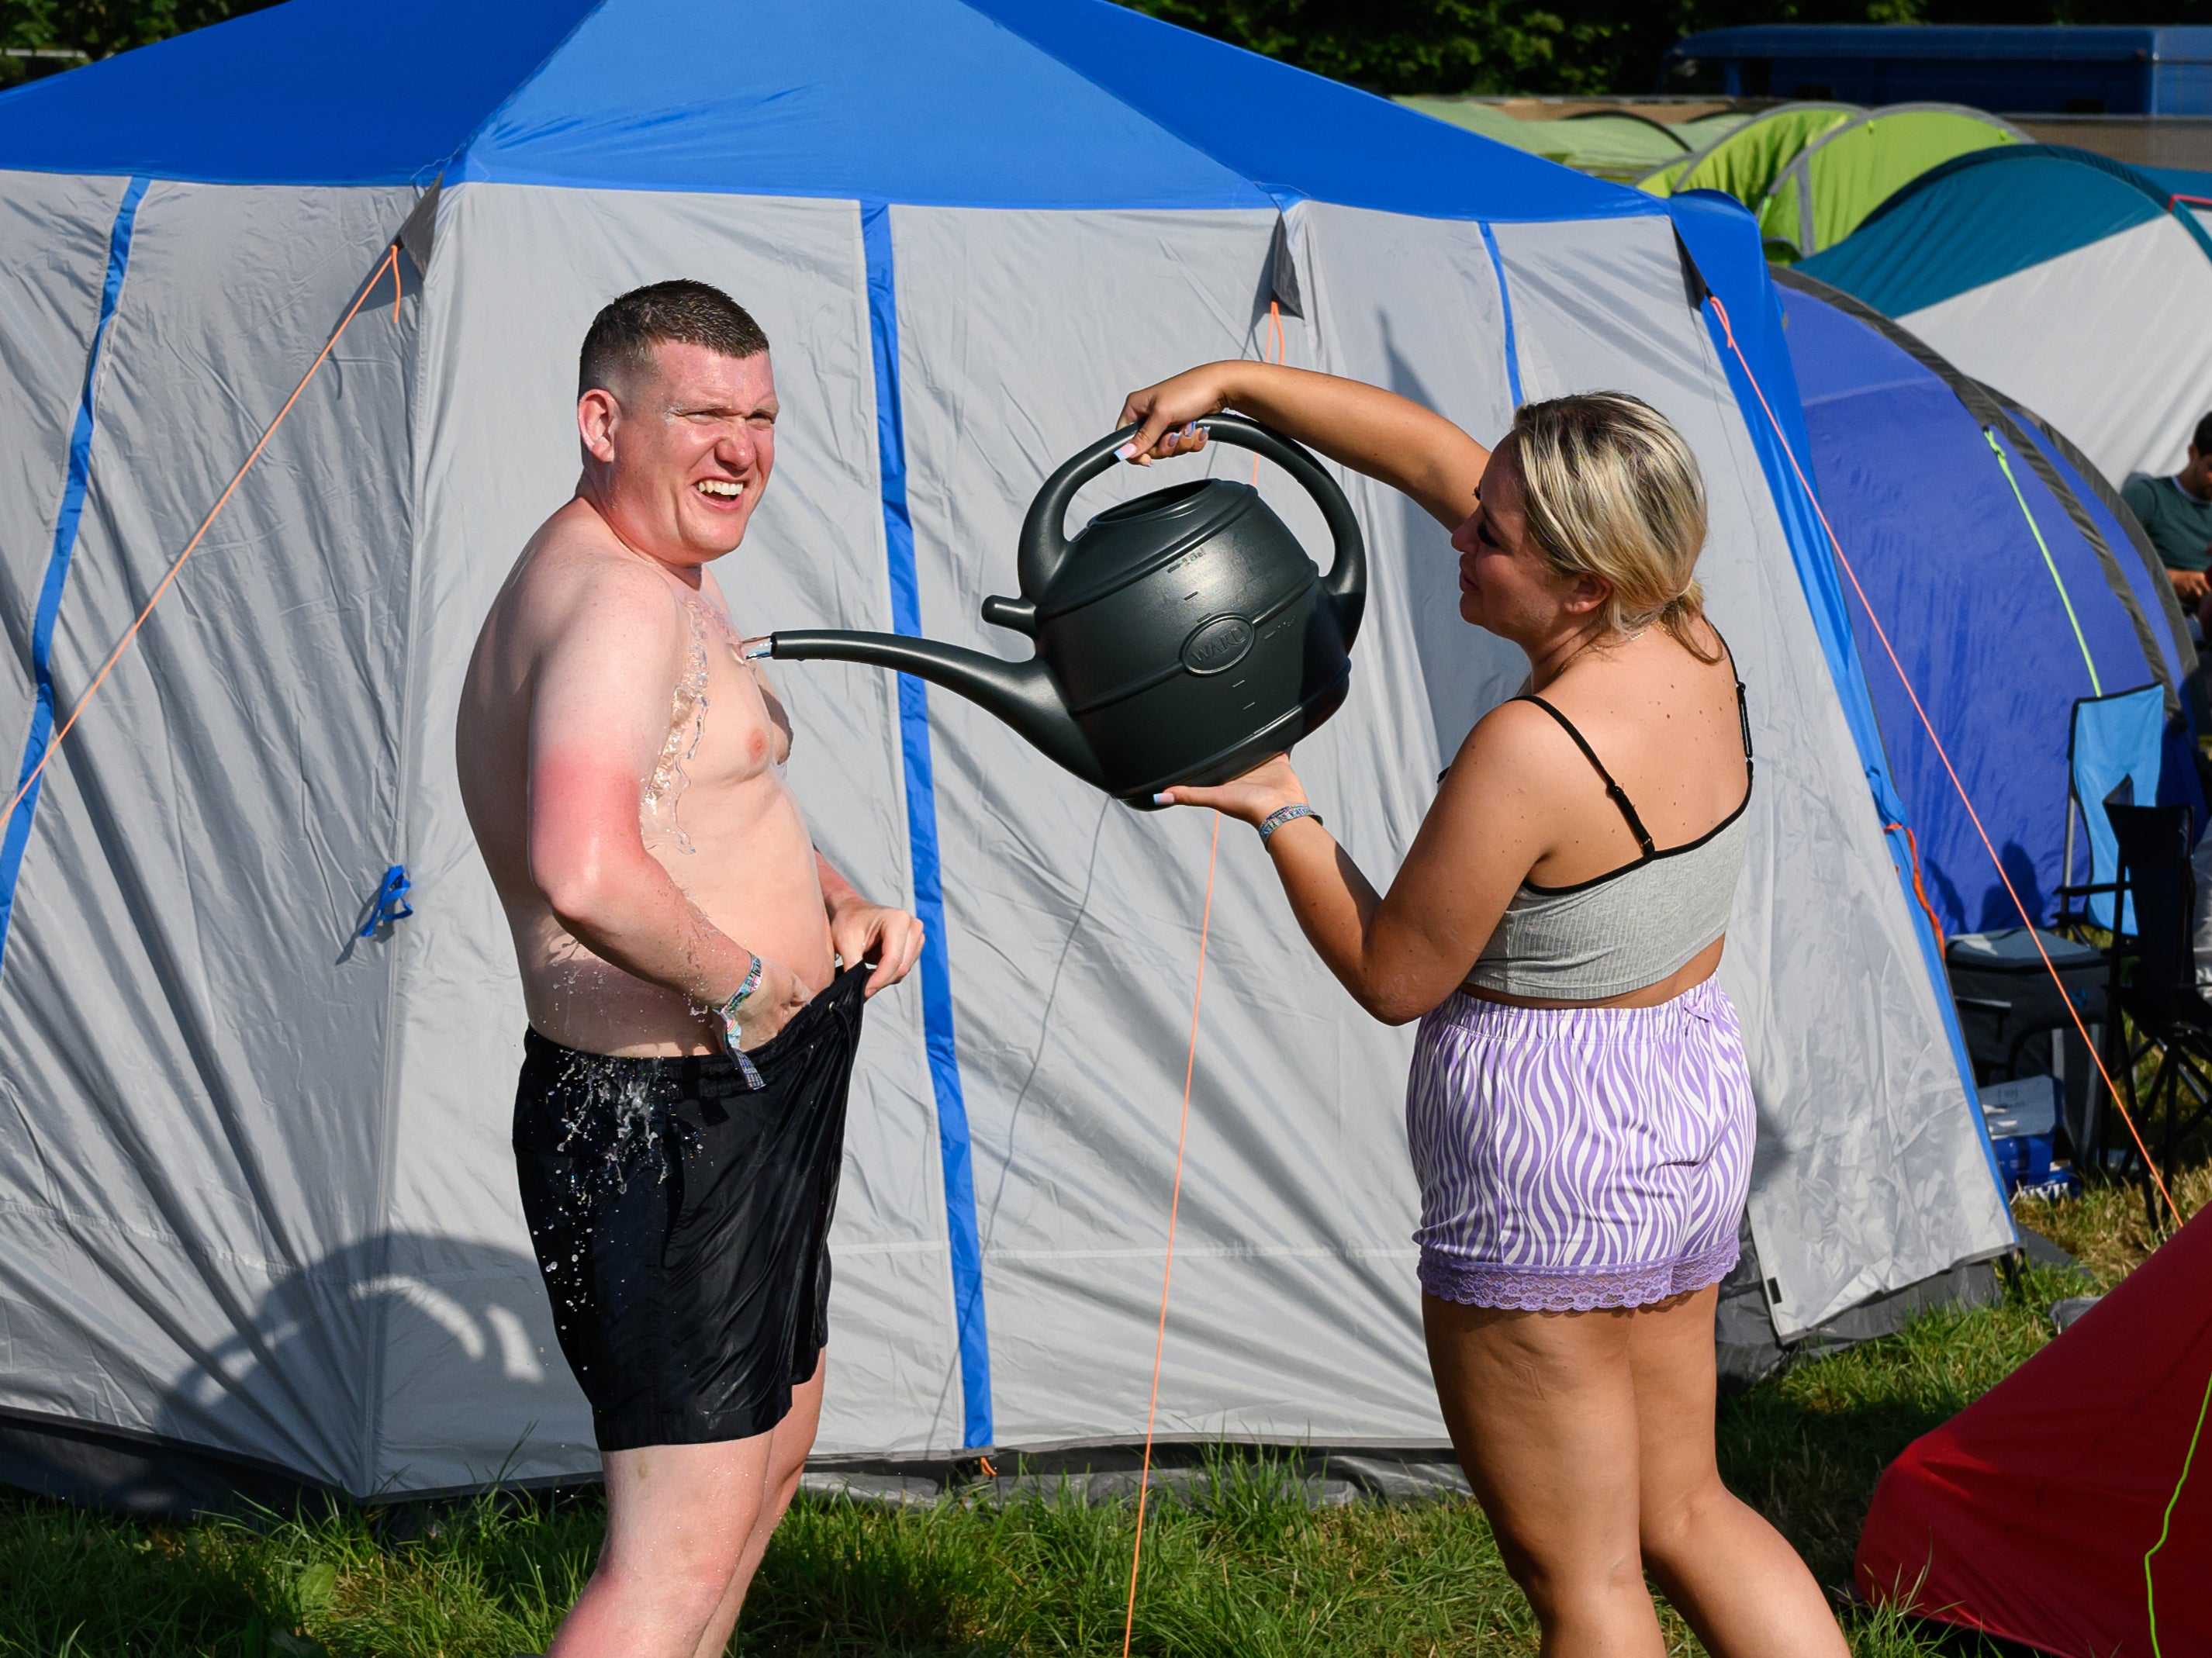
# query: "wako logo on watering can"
1181, 637
1219, 645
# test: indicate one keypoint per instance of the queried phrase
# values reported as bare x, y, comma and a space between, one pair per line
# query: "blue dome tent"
255, 1191
2071, 283
2004, 580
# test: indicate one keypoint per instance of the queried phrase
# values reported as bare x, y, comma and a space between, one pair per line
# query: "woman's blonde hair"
1613, 491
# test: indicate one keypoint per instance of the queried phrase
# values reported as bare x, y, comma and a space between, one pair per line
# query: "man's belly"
759, 886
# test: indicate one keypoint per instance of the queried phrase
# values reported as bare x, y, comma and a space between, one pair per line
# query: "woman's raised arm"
1395, 440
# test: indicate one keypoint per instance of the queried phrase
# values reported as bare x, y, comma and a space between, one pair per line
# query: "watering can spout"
1022, 694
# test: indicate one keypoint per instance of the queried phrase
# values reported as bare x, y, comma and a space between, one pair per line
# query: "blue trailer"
2016, 69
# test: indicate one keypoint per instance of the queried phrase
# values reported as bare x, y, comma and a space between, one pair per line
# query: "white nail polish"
1164, 799
1128, 451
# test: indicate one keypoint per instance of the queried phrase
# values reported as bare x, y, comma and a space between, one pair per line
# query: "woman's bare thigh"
1542, 1410
1671, 1360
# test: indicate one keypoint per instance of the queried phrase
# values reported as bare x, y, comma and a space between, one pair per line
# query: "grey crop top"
1630, 927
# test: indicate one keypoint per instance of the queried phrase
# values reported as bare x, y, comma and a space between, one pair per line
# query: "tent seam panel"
16, 838
925, 871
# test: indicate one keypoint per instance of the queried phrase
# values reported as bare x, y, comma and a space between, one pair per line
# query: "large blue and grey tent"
2010, 582
255, 1190
2073, 284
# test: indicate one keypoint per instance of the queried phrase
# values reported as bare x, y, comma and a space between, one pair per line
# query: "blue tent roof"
1987, 215
1001, 103
1986, 629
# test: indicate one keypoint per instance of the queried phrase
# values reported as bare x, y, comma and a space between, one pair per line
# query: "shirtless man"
680, 1118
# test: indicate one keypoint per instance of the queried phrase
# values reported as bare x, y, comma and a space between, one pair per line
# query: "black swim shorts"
681, 1219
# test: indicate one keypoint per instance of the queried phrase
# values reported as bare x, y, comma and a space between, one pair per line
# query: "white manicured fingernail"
1164, 799
1128, 451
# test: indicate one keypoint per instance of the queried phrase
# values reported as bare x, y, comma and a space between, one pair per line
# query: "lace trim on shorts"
1572, 1289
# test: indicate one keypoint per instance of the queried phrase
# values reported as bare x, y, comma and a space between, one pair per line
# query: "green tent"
1827, 192
1487, 119
1746, 162
1814, 172
1611, 143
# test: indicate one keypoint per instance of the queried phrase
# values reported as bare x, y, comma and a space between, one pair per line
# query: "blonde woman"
1579, 1113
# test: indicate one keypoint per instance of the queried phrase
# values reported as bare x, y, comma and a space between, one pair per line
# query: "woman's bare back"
1665, 725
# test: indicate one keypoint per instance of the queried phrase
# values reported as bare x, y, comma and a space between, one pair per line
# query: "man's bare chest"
728, 733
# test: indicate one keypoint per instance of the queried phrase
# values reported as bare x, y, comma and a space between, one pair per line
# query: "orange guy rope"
391, 263
1275, 348
1167, 1271
1974, 817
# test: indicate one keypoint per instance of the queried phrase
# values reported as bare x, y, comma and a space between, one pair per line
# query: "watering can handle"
1044, 537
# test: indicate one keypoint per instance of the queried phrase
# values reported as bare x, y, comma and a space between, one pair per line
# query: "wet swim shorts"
681, 1220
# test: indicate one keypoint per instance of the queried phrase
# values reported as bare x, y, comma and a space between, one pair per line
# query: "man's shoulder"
2140, 487
574, 573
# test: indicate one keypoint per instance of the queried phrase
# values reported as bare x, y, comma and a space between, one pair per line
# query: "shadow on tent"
351, 1346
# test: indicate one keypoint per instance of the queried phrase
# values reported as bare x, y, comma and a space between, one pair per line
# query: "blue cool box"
2022, 1118
2023, 1159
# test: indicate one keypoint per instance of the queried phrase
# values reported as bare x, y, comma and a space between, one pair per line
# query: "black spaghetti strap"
1612, 789
1742, 708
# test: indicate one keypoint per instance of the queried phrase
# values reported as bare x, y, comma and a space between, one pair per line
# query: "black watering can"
1181, 637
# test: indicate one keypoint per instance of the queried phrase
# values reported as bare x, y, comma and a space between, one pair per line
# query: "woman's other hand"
1164, 414
1268, 787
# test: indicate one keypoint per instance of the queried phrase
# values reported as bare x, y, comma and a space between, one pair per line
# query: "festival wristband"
1282, 815
728, 1013
728, 1010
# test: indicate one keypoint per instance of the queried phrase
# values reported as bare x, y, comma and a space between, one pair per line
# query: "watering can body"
1181, 637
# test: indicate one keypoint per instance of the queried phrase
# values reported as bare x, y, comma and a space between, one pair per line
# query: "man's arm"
598, 718
860, 930
2141, 493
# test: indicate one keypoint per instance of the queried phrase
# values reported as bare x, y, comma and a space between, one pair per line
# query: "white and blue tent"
256, 1196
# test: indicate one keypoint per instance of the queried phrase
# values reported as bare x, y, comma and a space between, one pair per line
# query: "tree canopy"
1387, 46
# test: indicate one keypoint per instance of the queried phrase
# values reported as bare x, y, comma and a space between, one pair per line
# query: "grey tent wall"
188, 1029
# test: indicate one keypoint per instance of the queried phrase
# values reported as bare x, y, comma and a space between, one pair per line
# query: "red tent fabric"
2037, 1513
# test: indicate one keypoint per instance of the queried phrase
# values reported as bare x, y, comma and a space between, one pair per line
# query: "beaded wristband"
1282, 815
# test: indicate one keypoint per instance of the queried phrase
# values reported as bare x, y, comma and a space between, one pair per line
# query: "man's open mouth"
720, 488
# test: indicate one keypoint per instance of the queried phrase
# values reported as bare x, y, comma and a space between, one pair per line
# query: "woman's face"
1504, 583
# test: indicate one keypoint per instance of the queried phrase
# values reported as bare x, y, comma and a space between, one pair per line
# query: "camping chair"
2113, 752
2154, 980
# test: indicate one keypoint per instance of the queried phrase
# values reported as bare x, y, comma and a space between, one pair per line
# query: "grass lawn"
1243, 1567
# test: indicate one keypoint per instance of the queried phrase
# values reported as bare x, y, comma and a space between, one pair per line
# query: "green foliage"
1568, 45
98, 28
1389, 45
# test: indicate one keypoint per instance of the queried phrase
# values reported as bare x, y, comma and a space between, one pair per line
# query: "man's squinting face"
684, 453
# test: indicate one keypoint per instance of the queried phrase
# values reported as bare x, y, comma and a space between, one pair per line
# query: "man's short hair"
2204, 435
619, 343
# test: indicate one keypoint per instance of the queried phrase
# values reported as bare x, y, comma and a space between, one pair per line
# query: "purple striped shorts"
1572, 1158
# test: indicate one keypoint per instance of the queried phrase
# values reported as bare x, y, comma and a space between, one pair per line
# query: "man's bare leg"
789, 1442
686, 1527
